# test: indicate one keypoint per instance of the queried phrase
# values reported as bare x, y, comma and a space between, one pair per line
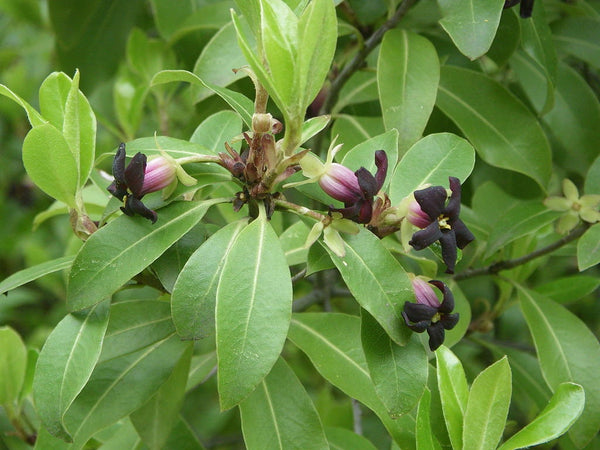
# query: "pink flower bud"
417, 216
340, 183
158, 175
424, 293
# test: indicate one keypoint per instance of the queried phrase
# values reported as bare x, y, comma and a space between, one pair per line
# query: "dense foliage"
299, 224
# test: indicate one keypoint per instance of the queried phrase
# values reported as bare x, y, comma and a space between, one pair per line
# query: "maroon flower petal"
463, 234
381, 162
367, 183
448, 241
436, 335
449, 321
432, 200
448, 298
427, 236
418, 312
453, 207
118, 188
134, 174
134, 205
418, 327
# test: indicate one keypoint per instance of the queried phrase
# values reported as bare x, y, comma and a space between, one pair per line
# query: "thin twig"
494, 268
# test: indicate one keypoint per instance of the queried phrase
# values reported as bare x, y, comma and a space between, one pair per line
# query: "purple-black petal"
418, 312
427, 236
436, 335
452, 209
365, 212
526, 8
381, 162
448, 242
134, 174
432, 200
447, 304
449, 321
463, 234
367, 183
134, 205
118, 188
417, 327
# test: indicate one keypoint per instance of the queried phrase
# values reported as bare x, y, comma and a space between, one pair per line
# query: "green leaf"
408, 74
201, 368
317, 35
217, 129
194, 294
123, 248
32, 357
65, 365
313, 126
536, 39
432, 160
578, 36
454, 393
536, 82
353, 130
588, 254
556, 418
239, 102
34, 272
254, 304
51, 164
399, 374
177, 148
341, 438
155, 420
121, 385
280, 414
35, 118
377, 281
471, 24
568, 352
425, 439
363, 155
570, 288
292, 243
592, 179
361, 87
487, 407
500, 127
520, 220
13, 363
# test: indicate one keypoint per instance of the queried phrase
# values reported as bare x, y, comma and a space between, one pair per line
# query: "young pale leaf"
123, 248
588, 248
312, 126
13, 363
280, 414
35, 118
340, 438
361, 87
254, 305
568, 352
377, 281
399, 374
454, 393
66, 363
487, 407
194, 295
155, 420
217, 129
471, 24
239, 102
408, 74
503, 131
121, 385
317, 35
431, 161
425, 439
564, 408
51, 164
34, 272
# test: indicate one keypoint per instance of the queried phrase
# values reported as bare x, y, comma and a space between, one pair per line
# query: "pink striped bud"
424, 293
417, 216
158, 175
340, 183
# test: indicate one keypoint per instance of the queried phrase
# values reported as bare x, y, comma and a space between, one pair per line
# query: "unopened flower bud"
159, 174
424, 293
340, 183
417, 216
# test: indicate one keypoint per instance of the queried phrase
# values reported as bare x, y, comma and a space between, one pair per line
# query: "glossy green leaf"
65, 365
239, 102
588, 248
194, 294
399, 374
35, 118
341, 438
313, 126
363, 155
32, 357
568, 352
454, 393
34, 272
361, 87
280, 414
431, 161
408, 74
155, 420
353, 130
121, 385
317, 36
425, 439
520, 220
201, 367
293, 241
535, 80
471, 24
123, 248
570, 288
216, 130
377, 281
578, 36
51, 164
508, 38
564, 408
13, 364
502, 130
183, 436
487, 407
592, 179
254, 304
177, 148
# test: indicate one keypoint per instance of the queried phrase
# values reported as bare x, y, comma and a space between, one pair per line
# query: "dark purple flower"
445, 225
428, 313
358, 205
129, 184
525, 9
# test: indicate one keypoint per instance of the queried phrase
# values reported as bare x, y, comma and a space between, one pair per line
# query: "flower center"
576, 206
443, 222
436, 318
